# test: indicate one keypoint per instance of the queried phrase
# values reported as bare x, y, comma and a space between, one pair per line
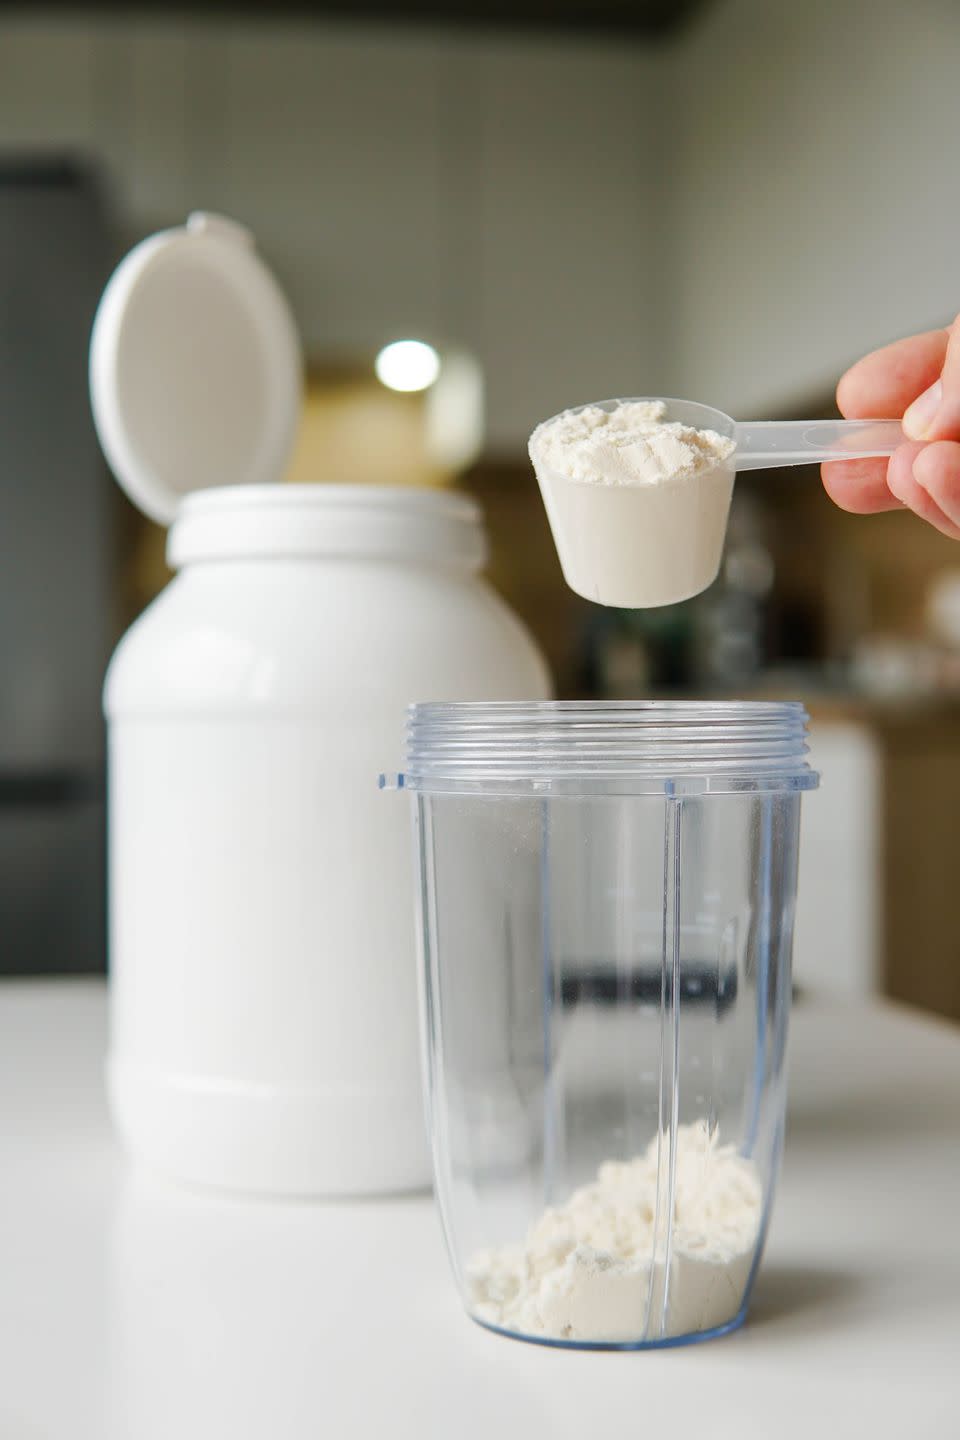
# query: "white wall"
818, 204
733, 217
475, 189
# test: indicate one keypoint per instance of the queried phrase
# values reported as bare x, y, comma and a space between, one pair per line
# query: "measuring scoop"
762, 444
637, 546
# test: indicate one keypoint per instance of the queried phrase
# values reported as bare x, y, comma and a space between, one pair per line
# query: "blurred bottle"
730, 643
943, 622
632, 653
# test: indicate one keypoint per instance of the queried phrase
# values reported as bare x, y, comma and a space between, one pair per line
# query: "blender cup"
606, 896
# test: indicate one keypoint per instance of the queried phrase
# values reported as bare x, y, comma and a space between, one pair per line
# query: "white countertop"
131, 1310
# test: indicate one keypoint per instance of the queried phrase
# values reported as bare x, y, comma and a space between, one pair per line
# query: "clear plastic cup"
606, 899
641, 545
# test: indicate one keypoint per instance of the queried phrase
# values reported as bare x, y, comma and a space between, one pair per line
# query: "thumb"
935, 415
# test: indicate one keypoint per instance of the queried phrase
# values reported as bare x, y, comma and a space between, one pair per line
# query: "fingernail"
922, 413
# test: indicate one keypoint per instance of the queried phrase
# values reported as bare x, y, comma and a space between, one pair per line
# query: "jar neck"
329, 521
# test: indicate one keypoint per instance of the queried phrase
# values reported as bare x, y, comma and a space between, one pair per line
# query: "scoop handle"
762, 444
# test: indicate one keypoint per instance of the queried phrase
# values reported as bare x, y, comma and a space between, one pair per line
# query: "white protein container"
264, 1031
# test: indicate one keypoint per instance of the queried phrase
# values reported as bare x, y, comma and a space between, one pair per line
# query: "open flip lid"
195, 367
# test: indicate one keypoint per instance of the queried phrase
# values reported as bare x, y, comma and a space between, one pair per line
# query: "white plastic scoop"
762, 444
636, 545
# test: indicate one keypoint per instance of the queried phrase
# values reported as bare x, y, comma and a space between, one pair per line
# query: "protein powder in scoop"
637, 503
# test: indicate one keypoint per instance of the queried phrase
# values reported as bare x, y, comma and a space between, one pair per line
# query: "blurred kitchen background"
727, 200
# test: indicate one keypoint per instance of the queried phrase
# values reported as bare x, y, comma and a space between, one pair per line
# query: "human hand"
917, 379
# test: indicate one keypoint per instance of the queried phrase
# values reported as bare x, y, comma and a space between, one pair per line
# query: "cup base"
671, 1342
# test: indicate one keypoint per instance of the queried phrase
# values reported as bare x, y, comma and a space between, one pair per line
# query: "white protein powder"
637, 505
588, 1269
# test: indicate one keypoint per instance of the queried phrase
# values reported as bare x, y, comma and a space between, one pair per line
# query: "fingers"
935, 414
884, 383
937, 471
922, 478
859, 486
927, 479
919, 379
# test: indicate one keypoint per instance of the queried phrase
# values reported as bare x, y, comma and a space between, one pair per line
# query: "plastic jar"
607, 898
263, 982
263, 1013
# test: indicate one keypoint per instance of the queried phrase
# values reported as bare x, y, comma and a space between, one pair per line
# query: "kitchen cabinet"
880, 853
55, 602
921, 858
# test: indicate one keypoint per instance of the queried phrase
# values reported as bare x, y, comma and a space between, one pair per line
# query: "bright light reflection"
407, 365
